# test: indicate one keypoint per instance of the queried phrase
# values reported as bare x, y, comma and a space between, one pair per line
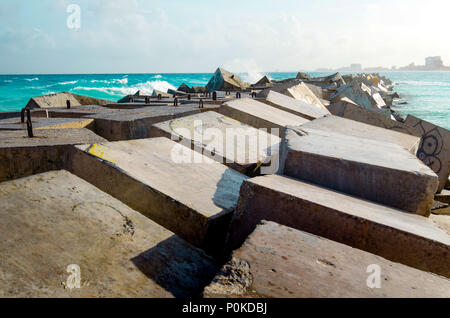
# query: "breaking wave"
32, 79
423, 83
113, 81
145, 88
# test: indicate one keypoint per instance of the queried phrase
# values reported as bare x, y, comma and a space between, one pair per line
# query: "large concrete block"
400, 237
224, 80
279, 262
60, 100
260, 115
346, 109
52, 220
221, 138
21, 156
47, 123
76, 112
295, 106
136, 123
349, 127
187, 193
378, 171
434, 150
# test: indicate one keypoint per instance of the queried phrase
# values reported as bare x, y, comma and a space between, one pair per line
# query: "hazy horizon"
149, 37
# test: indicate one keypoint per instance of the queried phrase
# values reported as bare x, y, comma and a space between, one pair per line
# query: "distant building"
433, 63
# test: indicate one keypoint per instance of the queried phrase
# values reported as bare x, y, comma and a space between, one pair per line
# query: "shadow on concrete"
178, 267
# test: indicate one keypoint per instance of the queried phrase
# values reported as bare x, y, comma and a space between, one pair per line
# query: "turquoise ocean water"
427, 93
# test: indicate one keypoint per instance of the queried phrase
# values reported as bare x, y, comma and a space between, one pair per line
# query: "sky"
182, 36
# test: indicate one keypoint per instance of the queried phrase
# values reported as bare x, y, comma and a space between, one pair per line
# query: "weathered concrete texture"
6, 115
21, 156
76, 112
221, 138
442, 222
280, 262
67, 221
194, 200
434, 150
358, 93
264, 81
60, 100
163, 94
346, 109
225, 81
46, 123
295, 106
354, 128
135, 124
260, 115
400, 237
369, 169
139, 105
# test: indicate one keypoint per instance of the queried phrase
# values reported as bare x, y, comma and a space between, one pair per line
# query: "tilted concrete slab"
280, 262
349, 110
360, 94
434, 150
304, 93
349, 127
390, 233
225, 80
187, 193
52, 220
260, 115
60, 100
135, 124
221, 138
369, 169
295, 106
46, 123
21, 156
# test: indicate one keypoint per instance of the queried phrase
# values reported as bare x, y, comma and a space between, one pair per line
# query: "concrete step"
378, 171
136, 123
390, 233
294, 106
354, 128
260, 115
279, 262
185, 192
434, 150
228, 141
21, 156
52, 220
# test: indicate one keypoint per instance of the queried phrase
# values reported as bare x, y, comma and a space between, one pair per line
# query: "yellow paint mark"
99, 151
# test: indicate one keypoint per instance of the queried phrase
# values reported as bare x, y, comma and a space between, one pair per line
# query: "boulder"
370, 169
223, 80
434, 150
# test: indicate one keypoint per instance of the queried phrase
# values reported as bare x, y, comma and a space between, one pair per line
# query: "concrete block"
354, 128
221, 138
369, 169
434, 150
135, 124
280, 262
294, 106
52, 220
21, 156
46, 123
185, 192
260, 115
60, 100
346, 109
400, 237
360, 94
